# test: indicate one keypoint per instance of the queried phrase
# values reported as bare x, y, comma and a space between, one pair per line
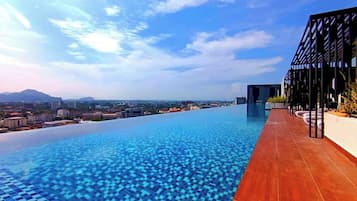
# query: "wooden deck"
287, 165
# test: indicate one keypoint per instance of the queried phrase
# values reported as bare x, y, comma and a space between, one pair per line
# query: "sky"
150, 49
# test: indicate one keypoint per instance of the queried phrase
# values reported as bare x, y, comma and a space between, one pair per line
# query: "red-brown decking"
287, 165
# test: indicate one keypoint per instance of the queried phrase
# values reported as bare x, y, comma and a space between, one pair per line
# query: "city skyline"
169, 50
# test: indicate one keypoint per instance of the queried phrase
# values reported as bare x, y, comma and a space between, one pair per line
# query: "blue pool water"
197, 155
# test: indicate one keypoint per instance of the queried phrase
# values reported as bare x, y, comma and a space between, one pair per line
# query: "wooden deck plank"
288, 165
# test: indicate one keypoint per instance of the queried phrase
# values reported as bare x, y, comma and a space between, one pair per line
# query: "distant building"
174, 109
110, 116
147, 113
164, 110
55, 105
205, 106
193, 107
94, 116
186, 102
15, 114
14, 122
72, 104
40, 118
29, 106
120, 114
63, 114
260, 93
133, 112
101, 107
75, 114
240, 100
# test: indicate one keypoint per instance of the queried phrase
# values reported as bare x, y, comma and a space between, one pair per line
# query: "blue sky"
167, 49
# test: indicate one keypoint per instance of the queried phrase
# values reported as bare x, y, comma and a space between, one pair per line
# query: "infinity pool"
196, 155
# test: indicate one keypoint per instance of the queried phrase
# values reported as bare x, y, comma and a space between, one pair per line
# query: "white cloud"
140, 27
19, 16
15, 40
73, 46
74, 50
155, 39
140, 73
172, 6
16, 37
11, 49
15, 62
76, 54
70, 10
4, 14
50, 79
92, 71
71, 27
102, 39
208, 43
112, 11
135, 66
146, 68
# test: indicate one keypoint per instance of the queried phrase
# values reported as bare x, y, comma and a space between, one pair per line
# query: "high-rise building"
40, 118
63, 113
133, 112
56, 105
240, 100
72, 104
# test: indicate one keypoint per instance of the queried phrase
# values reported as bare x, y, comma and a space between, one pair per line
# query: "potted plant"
341, 129
349, 104
350, 100
338, 127
276, 102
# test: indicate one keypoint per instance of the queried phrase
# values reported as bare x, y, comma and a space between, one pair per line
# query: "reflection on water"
257, 111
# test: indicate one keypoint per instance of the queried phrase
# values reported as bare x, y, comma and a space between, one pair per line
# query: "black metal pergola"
323, 64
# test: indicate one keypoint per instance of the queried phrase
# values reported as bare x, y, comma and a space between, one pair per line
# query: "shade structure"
324, 64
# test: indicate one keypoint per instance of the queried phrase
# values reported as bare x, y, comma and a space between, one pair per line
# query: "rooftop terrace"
289, 165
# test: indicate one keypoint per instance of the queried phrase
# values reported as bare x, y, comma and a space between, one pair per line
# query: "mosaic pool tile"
197, 155
12, 189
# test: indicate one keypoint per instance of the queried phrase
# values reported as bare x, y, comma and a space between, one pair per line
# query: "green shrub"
277, 99
350, 100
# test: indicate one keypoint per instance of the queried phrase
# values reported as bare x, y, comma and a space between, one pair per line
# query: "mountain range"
28, 95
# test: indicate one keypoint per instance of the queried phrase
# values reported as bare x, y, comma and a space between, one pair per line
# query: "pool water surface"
196, 155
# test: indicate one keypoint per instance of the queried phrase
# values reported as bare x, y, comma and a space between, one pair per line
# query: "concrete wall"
269, 106
343, 131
